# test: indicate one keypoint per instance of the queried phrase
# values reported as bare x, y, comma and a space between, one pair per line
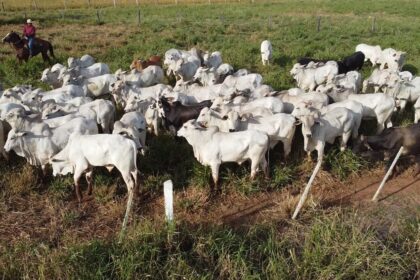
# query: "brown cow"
139, 64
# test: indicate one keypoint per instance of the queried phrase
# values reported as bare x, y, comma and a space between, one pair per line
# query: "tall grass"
340, 245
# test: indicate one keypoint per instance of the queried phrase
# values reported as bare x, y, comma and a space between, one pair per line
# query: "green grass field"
45, 234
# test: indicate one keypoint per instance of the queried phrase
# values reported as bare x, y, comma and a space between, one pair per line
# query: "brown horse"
22, 52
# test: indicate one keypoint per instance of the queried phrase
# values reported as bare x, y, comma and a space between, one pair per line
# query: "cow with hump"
212, 147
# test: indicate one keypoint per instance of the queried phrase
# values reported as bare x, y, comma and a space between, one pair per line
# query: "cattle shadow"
411, 68
283, 60
415, 180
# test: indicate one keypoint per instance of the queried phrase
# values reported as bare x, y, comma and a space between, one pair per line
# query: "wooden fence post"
88, 3
98, 17
138, 17
318, 25
2, 5
35, 4
65, 5
137, 2
373, 24
115, 3
269, 22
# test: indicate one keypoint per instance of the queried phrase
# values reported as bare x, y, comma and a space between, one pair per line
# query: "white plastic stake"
307, 188
381, 186
169, 200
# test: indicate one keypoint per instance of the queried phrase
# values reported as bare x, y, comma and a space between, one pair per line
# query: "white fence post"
381, 186
169, 200
306, 191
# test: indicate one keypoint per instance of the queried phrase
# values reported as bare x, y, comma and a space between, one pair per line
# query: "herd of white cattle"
247, 117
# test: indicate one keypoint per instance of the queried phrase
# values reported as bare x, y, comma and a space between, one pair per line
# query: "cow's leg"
215, 173
89, 180
344, 139
417, 170
381, 127
76, 176
417, 115
389, 123
287, 147
129, 181
264, 165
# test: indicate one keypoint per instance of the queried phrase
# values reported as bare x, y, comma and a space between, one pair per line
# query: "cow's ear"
298, 122
21, 134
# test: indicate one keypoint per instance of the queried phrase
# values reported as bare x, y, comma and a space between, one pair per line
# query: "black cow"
352, 62
306, 60
391, 140
176, 114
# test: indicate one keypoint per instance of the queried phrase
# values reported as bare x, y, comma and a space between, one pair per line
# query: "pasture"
245, 232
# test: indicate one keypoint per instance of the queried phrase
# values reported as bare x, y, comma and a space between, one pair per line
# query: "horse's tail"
50, 48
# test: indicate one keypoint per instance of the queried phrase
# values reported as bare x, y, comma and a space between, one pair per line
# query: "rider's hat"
28, 20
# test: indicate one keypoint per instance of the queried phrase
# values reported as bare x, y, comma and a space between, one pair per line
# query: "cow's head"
14, 142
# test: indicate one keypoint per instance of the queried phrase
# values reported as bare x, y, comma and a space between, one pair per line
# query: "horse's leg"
45, 56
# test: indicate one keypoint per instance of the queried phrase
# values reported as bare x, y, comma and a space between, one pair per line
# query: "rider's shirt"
29, 30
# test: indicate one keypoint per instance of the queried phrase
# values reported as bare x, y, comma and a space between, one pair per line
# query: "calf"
392, 139
175, 114
266, 52
139, 64
212, 147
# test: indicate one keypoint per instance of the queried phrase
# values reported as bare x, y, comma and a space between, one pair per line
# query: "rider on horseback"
29, 32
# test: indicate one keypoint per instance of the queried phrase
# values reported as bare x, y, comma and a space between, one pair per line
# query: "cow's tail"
268, 156
135, 173
50, 48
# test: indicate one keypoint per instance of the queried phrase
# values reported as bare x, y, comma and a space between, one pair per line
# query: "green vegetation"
45, 234
340, 245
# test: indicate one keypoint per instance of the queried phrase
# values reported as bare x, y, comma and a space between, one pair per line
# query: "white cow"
392, 59
247, 82
372, 53
37, 148
132, 125
101, 111
406, 92
97, 86
213, 60
380, 80
318, 100
376, 105
266, 52
317, 129
2, 139
212, 147
149, 76
63, 94
185, 69
124, 93
85, 61
310, 76
82, 152
279, 127
351, 80
271, 103
153, 118
206, 76
50, 75
417, 111
97, 69
172, 57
